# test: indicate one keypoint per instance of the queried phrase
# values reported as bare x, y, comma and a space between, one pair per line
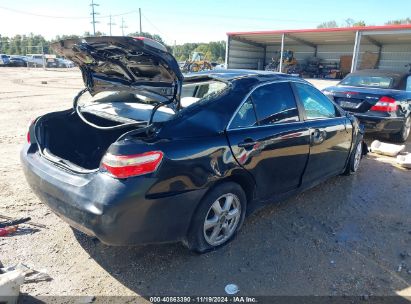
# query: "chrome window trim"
251, 92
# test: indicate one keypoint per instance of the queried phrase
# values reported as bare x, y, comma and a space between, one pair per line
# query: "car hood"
139, 65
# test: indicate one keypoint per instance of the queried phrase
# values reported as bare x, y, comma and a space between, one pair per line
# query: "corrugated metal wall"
245, 56
395, 57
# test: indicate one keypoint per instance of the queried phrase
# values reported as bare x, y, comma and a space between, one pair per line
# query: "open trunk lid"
138, 65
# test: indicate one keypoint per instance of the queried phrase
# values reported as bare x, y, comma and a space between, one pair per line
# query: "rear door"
270, 140
330, 134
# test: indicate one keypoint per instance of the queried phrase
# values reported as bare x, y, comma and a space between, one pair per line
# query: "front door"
269, 139
330, 132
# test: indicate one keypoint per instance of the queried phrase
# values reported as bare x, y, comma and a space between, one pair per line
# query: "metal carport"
253, 50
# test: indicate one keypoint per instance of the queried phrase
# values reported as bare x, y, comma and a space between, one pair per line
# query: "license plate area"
349, 104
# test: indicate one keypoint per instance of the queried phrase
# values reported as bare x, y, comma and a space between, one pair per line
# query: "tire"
402, 136
194, 67
223, 226
355, 159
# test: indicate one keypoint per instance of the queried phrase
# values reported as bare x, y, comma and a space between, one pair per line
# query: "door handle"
317, 136
247, 143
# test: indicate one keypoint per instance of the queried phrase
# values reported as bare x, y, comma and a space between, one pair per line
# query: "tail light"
28, 131
385, 104
124, 166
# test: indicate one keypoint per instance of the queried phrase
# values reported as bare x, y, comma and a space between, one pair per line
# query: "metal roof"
386, 34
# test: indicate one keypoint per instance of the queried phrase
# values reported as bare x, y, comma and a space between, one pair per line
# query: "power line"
123, 26
63, 17
155, 27
94, 13
110, 24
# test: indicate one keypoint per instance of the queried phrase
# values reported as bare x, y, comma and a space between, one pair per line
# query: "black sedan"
381, 100
18, 61
146, 155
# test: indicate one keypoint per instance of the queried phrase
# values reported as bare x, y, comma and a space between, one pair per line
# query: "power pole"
141, 29
110, 24
123, 26
93, 14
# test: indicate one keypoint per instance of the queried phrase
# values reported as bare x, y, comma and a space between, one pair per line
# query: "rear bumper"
381, 124
117, 212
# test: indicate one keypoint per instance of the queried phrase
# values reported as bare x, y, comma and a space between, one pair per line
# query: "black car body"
381, 100
18, 61
4, 60
143, 164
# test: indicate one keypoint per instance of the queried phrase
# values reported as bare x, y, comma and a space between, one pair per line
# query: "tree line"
214, 51
37, 44
351, 22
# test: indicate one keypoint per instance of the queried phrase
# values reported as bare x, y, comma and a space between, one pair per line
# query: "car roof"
375, 72
231, 75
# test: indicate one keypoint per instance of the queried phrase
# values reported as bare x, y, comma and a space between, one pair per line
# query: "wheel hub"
222, 219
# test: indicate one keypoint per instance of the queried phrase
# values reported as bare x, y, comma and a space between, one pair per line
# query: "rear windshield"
383, 82
127, 107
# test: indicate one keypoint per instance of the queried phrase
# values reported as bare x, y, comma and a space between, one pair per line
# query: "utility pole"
123, 26
93, 14
110, 24
141, 29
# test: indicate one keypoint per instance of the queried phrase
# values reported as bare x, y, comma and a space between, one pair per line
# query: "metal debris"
231, 289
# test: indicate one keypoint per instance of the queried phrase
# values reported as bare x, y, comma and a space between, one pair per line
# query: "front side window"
245, 116
408, 84
275, 103
315, 103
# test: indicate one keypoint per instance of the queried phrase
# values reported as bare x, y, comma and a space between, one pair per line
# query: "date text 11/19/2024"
206, 299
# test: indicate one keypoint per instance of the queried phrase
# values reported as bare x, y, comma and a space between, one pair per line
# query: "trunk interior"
65, 136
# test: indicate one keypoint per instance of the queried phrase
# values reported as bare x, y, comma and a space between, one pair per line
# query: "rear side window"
315, 103
275, 103
245, 116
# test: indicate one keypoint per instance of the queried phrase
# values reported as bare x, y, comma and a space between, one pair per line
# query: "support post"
265, 57
141, 29
281, 52
44, 57
356, 51
227, 51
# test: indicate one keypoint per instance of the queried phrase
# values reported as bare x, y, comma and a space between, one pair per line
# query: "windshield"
129, 107
382, 82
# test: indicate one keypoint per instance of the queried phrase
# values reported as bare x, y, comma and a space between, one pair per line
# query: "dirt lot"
347, 236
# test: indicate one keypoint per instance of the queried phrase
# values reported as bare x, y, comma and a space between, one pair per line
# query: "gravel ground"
347, 236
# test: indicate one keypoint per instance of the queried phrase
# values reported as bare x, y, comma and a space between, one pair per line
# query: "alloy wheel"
407, 127
357, 156
222, 219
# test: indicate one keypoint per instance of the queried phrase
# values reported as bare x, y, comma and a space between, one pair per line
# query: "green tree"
399, 21
359, 23
328, 24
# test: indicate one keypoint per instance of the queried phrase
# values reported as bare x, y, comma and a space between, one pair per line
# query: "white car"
35, 60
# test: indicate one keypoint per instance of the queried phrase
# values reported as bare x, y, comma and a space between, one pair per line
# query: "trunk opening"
65, 137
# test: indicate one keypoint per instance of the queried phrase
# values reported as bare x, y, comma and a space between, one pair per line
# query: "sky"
183, 21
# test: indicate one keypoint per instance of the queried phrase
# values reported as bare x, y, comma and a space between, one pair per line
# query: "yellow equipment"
197, 63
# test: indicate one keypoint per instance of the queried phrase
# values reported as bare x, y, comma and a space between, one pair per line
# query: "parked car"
147, 155
381, 100
18, 61
51, 61
65, 63
35, 60
4, 60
